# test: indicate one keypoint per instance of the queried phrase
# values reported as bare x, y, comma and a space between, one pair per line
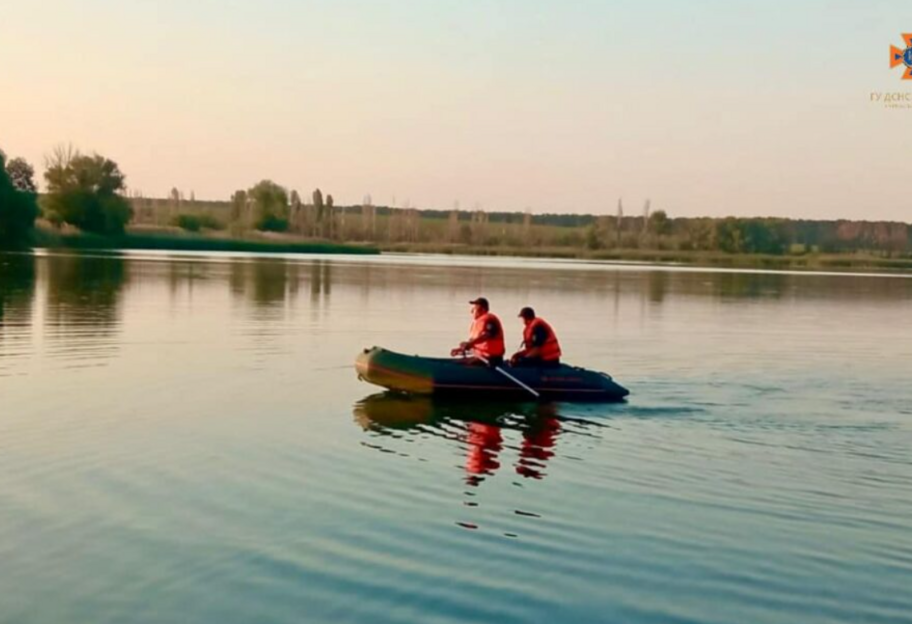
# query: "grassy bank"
174, 240
168, 241
809, 261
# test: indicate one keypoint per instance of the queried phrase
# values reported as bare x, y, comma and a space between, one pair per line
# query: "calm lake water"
184, 439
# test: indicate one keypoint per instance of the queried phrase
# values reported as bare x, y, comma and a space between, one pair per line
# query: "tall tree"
297, 210
659, 223
22, 175
238, 205
620, 221
18, 210
85, 191
330, 216
270, 203
318, 212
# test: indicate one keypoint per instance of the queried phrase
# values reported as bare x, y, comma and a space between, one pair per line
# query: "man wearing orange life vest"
540, 345
486, 337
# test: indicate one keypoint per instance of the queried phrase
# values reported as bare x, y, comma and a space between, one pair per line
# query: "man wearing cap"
486, 337
540, 345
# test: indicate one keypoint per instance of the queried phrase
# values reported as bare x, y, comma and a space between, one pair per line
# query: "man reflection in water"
537, 446
485, 441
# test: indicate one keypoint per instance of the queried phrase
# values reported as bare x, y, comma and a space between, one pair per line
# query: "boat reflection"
479, 427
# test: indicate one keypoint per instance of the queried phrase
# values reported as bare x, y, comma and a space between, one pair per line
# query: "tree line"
268, 206
89, 192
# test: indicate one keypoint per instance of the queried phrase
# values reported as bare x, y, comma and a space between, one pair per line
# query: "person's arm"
532, 347
539, 337
490, 331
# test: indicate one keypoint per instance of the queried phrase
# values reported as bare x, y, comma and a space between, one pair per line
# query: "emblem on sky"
903, 57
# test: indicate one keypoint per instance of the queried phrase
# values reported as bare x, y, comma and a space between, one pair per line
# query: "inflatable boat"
414, 374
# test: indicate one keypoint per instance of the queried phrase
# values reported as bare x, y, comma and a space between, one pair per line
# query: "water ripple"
178, 442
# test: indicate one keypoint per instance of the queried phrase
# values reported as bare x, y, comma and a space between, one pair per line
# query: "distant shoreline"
809, 261
165, 240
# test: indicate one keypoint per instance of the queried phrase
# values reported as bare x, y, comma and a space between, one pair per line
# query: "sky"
706, 108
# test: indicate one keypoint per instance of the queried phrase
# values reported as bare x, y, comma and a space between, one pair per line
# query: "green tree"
767, 236
701, 234
329, 217
593, 240
270, 203
84, 191
318, 203
319, 211
238, 205
18, 210
22, 175
465, 234
659, 224
729, 236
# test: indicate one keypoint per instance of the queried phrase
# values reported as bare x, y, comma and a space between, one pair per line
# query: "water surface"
183, 438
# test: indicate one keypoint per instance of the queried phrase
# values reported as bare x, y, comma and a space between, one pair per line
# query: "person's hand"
456, 351
514, 360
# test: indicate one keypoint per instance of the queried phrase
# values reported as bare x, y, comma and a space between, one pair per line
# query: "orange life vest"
492, 347
550, 351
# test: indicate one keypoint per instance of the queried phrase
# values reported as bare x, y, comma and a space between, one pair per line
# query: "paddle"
508, 376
